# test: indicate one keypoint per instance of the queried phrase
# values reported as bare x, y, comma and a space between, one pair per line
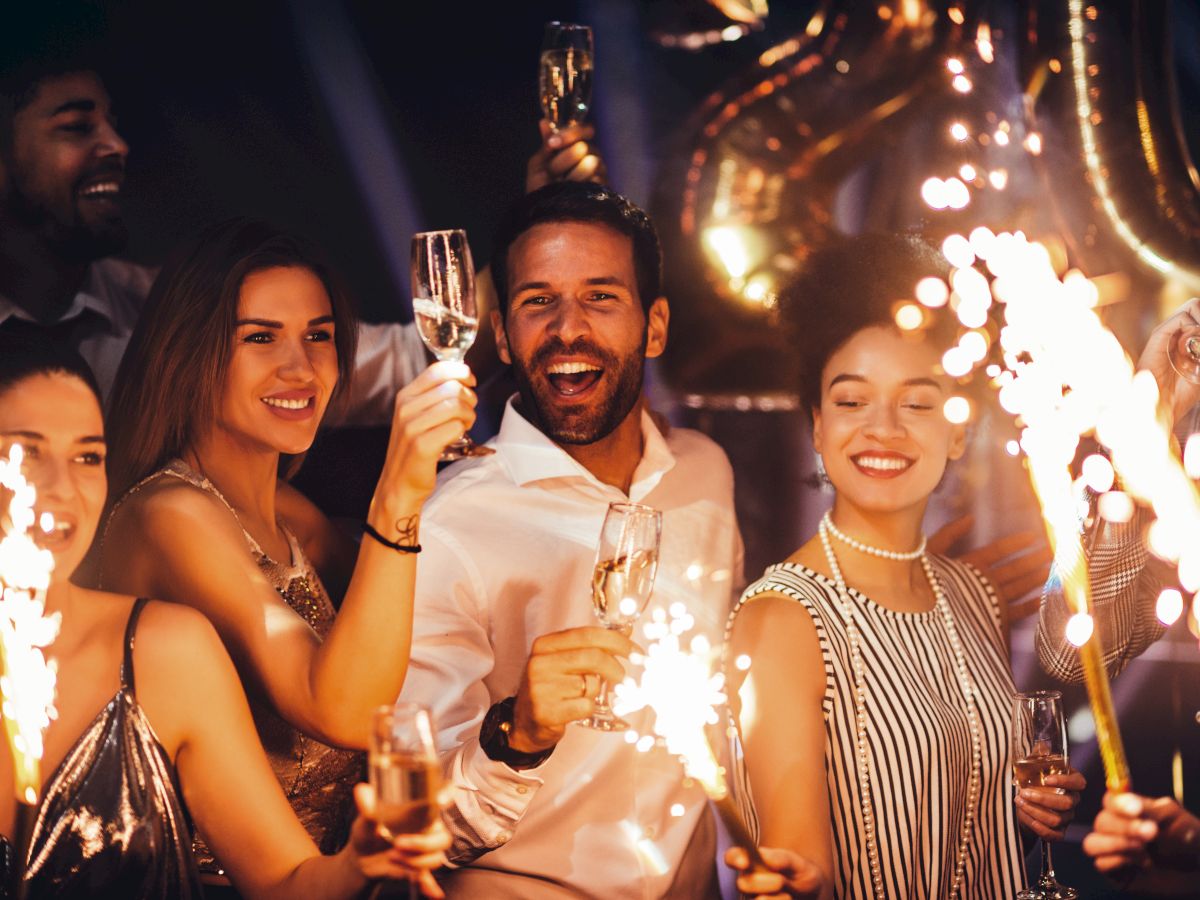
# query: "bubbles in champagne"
622, 587
406, 791
447, 333
565, 85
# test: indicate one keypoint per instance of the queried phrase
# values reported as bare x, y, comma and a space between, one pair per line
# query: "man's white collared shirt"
509, 546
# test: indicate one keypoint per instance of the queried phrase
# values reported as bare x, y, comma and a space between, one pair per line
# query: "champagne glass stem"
603, 705
1046, 879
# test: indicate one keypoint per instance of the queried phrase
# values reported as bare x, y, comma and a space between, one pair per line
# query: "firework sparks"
27, 679
679, 685
1065, 375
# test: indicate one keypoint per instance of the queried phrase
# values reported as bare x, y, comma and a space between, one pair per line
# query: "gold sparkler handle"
1108, 736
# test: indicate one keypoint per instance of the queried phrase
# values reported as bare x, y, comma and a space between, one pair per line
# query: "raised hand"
1179, 394
791, 875
560, 683
435, 408
565, 155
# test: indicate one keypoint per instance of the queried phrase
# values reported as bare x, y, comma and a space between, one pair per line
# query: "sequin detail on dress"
317, 779
111, 823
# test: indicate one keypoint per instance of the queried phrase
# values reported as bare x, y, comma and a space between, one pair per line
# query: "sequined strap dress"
317, 779
110, 823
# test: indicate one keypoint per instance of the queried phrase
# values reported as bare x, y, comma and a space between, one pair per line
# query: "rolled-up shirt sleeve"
389, 356
1126, 580
451, 657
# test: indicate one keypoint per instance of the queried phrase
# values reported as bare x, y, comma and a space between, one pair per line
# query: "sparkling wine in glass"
403, 768
565, 74
1184, 353
443, 290
622, 581
1039, 749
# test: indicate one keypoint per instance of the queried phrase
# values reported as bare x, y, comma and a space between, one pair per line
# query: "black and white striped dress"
919, 737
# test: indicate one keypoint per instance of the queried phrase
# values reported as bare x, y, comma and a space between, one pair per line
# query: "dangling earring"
821, 477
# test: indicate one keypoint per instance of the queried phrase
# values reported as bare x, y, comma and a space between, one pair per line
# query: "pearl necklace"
858, 545
965, 683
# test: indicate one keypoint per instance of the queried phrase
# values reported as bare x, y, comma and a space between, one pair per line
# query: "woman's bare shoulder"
168, 506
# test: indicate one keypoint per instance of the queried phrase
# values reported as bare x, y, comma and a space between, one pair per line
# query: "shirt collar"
93, 296
530, 456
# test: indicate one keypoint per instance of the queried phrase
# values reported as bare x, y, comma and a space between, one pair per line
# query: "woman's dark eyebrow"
838, 379
916, 382
911, 382
28, 435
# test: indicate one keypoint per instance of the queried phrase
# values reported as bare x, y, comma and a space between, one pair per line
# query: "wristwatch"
493, 738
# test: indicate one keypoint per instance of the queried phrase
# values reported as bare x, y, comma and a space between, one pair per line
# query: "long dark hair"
27, 352
173, 372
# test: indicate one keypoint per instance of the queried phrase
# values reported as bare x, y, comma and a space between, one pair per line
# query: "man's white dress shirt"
509, 546
106, 309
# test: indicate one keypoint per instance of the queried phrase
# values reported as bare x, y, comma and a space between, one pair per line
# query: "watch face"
493, 733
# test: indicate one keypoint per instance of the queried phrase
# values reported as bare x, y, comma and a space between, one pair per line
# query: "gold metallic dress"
110, 823
317, 779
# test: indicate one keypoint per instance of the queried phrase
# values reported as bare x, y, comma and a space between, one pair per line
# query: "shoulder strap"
127, 682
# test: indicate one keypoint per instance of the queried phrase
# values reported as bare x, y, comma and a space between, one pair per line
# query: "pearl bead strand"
966, 685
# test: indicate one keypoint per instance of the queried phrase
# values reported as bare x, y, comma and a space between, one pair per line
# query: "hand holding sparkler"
786, 874
1140, 832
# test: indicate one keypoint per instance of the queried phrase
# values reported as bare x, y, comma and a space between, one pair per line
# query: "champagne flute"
565, 74
1184, 353
443, 290
1039, 748
404, 770
622, 581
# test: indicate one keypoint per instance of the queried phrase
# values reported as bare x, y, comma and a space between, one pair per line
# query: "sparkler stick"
26, 678
679, 686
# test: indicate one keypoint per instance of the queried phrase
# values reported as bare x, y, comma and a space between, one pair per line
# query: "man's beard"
76, 240
593, 421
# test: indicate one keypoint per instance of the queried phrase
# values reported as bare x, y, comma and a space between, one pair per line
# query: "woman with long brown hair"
152, 730
244, 342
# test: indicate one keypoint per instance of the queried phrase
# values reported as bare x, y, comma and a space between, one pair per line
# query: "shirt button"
521, 789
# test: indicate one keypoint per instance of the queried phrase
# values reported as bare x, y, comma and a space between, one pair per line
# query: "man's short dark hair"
573, 201
41, 46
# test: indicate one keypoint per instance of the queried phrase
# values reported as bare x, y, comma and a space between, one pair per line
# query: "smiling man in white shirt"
506, 647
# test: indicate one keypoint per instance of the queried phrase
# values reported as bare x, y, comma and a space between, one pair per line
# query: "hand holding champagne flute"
622, 581
1039, 754
443, 291
406, 774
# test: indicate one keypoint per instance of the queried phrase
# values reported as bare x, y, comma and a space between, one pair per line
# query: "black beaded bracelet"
402, 548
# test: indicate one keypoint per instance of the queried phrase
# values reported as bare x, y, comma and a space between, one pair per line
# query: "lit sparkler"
686, 696
26, 678
1066, 376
